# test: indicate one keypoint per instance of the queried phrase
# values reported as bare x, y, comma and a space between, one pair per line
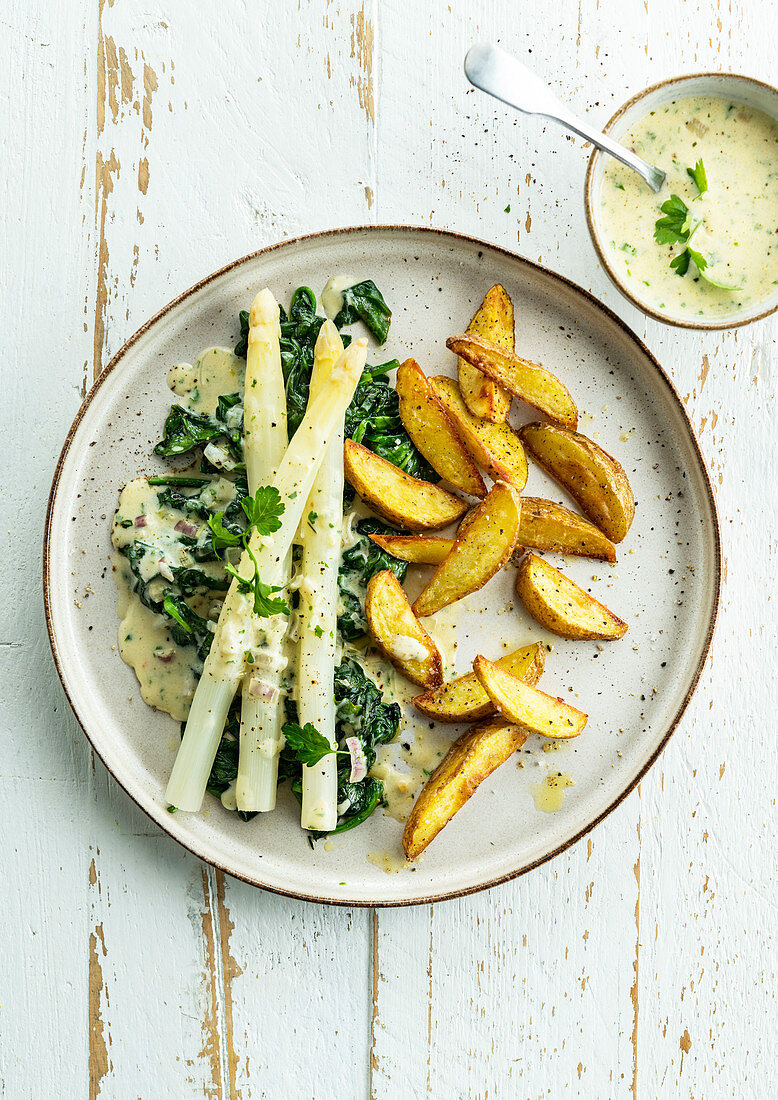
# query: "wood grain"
148, 147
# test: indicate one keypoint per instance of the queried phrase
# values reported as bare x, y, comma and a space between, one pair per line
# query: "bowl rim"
621, 286
441, 234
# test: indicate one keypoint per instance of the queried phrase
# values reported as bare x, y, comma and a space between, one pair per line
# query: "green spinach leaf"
365, 302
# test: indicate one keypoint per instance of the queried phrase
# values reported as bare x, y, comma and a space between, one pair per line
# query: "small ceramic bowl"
742, 89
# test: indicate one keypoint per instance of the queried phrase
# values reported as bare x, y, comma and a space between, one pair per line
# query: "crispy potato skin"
479, 551
495, 447
493, 319
593, 477
530, 382
527, 706
390, 617
433, 432
403, 500
472, 757
424, 549
549, 526
561, 606
464, 700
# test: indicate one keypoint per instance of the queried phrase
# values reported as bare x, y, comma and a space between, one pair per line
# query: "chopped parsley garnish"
698, 175
306, 744
222, 537
264, 603
263, 512
264, 509
679, 225
671, 228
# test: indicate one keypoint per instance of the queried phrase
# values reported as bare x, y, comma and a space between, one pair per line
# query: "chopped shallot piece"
358, 760
140, 521
164, 654
165, 570
261, 689
186, 528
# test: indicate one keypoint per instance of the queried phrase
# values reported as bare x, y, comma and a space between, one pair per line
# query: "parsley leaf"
305, 743
680, 264
222, 538
699, 260
264, 509
672, 228
699, 176
264, 603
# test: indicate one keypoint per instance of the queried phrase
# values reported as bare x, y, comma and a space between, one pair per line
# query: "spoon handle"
498, 74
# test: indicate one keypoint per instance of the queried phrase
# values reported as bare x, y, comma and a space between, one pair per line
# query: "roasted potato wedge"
464, 700
596, 481
527, 706
495, 447
424, 549
549, 526
482, 395
478, 553
529, 381
399, 633
432, 430
561, 606
403, 500
472, 757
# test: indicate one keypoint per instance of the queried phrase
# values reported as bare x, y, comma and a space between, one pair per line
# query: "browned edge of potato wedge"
493, 319
464, 700
478, 552
399, 633
530, 382
471, 758
591, 476
403, 500
423, 549
495, 447
526, 705
561, 606
546, 525
433, 432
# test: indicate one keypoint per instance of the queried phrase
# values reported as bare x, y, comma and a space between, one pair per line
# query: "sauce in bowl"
732, 223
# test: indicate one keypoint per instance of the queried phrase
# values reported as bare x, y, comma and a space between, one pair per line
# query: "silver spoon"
497, 73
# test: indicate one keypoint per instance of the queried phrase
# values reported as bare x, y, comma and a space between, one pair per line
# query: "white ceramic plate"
665, 583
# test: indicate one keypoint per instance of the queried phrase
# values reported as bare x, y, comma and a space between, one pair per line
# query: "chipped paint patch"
230, 971
362, 43
211, 1048
99, 1036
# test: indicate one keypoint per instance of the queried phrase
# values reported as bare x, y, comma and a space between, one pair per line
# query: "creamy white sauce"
229, 797
332, 296
138, 503
215, 371
167, 673
738, 234
406, 648
404, 771
549, 795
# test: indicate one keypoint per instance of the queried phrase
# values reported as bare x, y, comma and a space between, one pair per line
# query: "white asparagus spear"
264, 442
321, 531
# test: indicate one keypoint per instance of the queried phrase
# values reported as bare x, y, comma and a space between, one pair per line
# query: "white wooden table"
146, 143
